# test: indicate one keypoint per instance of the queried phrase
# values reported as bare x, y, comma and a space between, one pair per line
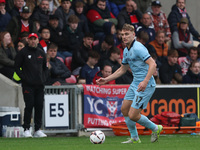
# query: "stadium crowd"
82, 40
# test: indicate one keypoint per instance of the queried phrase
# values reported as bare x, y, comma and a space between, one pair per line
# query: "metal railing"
73, 91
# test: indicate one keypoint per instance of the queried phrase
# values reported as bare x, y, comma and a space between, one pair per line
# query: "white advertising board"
56, 111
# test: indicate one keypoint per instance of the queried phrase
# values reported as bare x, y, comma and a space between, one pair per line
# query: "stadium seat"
60, 59
71, 79
198, 123
68, 61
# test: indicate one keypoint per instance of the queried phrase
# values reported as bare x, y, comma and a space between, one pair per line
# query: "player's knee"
124, 111
133, 117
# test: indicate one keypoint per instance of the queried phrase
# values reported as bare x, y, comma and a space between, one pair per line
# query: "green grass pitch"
166, 142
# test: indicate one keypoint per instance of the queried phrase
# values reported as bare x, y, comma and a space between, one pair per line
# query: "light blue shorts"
140, 99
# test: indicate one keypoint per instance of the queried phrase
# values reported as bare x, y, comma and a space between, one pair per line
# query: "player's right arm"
119, 72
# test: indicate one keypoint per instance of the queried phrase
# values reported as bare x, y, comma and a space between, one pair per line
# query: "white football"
97, 137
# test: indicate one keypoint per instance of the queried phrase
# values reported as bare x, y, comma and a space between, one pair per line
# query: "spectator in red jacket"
45, 36
97, 16
105, 72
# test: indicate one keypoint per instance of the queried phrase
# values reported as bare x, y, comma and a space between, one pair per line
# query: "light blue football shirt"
136, 57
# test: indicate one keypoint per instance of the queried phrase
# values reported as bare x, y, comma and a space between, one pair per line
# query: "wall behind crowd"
192, 7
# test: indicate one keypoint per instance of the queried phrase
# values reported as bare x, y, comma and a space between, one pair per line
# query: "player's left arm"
152, 68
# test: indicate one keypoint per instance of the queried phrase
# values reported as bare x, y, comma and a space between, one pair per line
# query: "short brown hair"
173, 53
114, 49
128, 27
193, 63
160, 31
52, 46
89, 34
109, 39
143, 35
73, 19
94, 54
194, 49
79, 4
